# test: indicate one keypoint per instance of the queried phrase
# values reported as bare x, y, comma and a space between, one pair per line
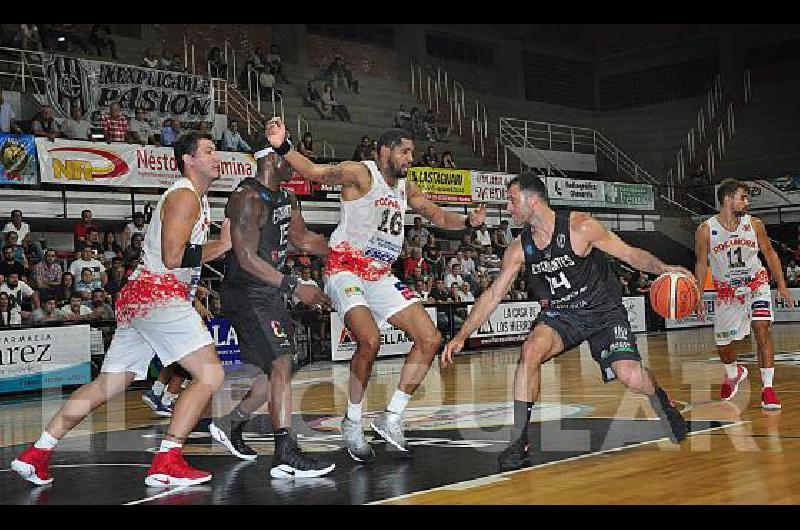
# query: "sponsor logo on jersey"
353, 291
734, 242
388, 202
553, 265
277, 329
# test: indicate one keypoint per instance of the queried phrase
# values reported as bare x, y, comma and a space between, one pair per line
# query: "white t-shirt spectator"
78, 265
6, 115
23, 230
67, 312
23, 289
483, 238
422, 233
466, 297
450, 279
468, 266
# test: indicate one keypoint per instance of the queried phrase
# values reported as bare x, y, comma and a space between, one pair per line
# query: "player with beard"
730, 241
265, 218
359, 279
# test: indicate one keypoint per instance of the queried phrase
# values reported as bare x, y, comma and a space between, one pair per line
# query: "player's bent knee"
430, 342
368, 344
630, 375
533, 351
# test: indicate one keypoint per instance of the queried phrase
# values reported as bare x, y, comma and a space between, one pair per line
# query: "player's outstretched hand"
786, 295
477, 217
276, 132
312, 296
452, 348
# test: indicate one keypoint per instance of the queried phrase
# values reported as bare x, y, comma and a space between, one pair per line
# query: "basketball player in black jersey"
264, 219
585, 304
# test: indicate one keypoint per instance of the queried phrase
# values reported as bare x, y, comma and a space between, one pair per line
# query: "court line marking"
466, 484
167, 493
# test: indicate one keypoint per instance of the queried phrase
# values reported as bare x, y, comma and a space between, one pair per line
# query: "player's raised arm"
344, 174
773, 261
438, 215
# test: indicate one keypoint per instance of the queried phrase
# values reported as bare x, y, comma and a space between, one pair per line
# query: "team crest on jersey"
560, 240
529, 249
746, 228
277, 329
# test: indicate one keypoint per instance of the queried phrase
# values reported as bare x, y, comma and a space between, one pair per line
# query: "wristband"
284, 148
192, 256
288, 284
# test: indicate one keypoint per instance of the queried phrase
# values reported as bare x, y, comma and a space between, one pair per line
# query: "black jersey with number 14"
575, 282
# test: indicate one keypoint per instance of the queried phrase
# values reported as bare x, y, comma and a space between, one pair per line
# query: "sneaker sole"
163, 413
745, 373
165, 481
770, 406
388, 438
287, 471
28, 472
150, 403
364, 460
219, 436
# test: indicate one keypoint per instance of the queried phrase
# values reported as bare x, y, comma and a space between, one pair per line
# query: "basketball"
673, 295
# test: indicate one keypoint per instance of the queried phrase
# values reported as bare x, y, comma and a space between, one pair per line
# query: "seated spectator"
136, 226
88, 260
75, 310
20, 292
140, 131
439, 293
502, 238
43, 124
483, 238
792, 274
417, 230
133, 263
87, 283
429, 244
329, 99
447, 160
7, 115
11, 266
82, 227
12, 240
466, 293
47, 274
101, 39
232, 140
117, 280
642, 286
411, 263
92, 241
109, 247
170, 132
135, 247
429, 159
66, 289
454, 277
306, 146
10, 313
466, 243
313, 99
216, 65
519, 290
435, 261
430, 126
402, 118
150, 60
316, 275
624, 282
48, 312
274, 64
66, 35
77, 127
363, 150
483, 284
114, 124
99, 307
352, 83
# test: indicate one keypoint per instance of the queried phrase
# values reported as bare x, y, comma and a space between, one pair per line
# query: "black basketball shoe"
515, 456
290, 462
230, 436
671, 418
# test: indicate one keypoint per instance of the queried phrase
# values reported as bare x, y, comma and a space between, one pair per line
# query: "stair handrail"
22, 68
302, 121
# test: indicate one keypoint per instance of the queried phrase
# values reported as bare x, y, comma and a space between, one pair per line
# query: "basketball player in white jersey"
155, 316
730, 241
359, 281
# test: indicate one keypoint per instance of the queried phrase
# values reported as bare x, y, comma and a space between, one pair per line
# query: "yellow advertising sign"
442, 184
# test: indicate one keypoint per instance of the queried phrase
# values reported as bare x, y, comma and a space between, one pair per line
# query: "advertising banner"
442, 184
590, 193
35, 358
510, 322
226, 340
782, 310
393, 341
18, 159
490, 187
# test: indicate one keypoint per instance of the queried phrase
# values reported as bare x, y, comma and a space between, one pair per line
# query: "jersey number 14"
558, 281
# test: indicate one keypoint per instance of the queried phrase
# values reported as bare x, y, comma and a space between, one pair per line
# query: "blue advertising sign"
18, 159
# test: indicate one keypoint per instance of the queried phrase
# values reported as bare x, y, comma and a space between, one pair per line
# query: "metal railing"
328, 147
439, 91
230, 101
22, 70
302, 127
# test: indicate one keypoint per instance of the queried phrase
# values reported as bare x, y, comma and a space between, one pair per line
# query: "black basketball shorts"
608, 332
264, 329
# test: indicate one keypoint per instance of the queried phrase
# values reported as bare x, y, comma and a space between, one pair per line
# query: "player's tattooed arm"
302, 238
245, 209
438, 215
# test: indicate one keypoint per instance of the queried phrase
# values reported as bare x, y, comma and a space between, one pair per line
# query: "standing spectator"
447, 160
266, 79
170, 132
257, 61
363, 150
429, 159
134, 248
274, 63
232, 140
83, 226
75, 310
101, 39
48, 312
329, 99
77, 127
66, 289
47, 274
10, 314
435, 262
216, 66
417, 230
100, 309
110, 247
44, 124
482, 238
137, 226
140, 131
114, 124
7, 115
19, 290
150, 60
88, 261
306, 147
792, 274
11, 266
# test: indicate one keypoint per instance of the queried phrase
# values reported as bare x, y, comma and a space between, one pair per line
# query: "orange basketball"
673, 295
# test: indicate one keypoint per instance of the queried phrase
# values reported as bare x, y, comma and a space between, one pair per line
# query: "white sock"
166, 445
158, 388
46, 441
731, 370
766, 376
354, 412
399, 402
168, 398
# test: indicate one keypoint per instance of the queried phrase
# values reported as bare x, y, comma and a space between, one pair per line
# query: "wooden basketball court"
595, 443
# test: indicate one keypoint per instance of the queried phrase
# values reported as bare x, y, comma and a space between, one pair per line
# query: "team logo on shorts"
407, 293
560, 240
353, 291
277, 328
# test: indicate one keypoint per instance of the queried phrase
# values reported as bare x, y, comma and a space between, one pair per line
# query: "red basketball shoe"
33, 464
769, 399
170, 469
730, 386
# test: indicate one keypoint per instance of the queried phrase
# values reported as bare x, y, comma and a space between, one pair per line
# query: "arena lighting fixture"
97, 136
62, 39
